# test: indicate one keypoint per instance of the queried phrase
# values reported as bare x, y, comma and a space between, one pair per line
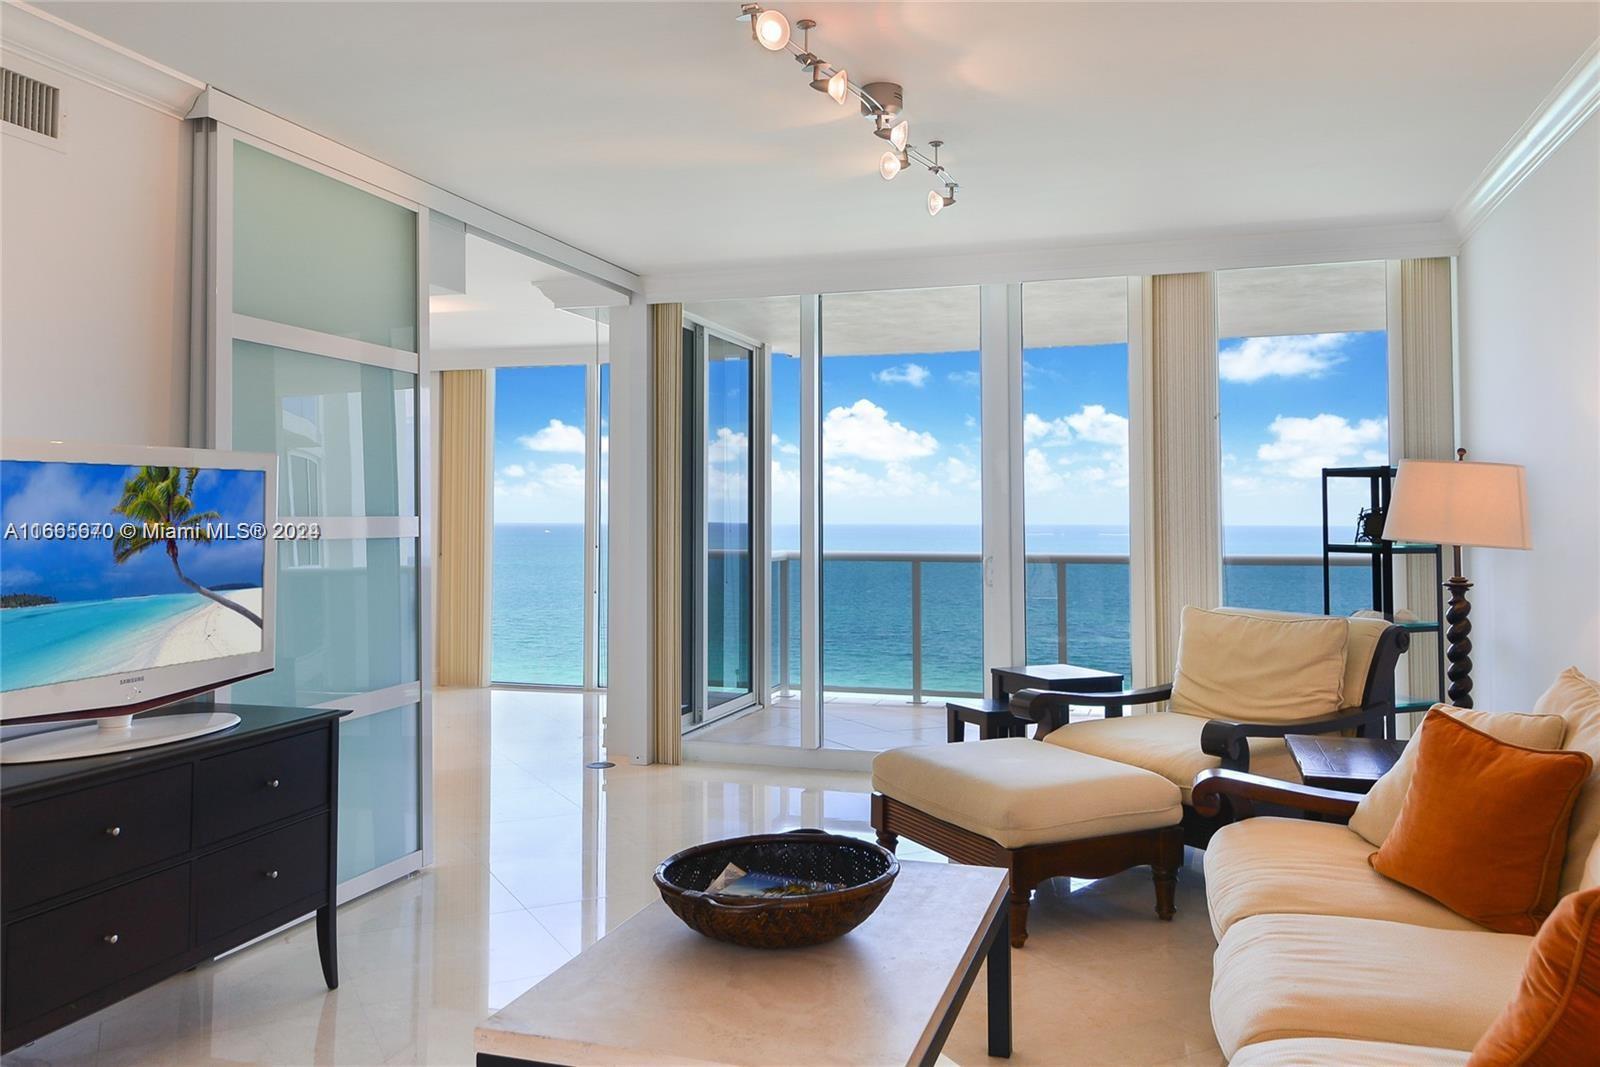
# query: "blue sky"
84, 570
901, 434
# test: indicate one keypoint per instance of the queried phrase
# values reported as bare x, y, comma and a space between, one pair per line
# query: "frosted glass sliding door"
317, 356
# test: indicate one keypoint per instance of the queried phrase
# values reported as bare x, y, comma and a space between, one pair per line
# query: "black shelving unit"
1381, 554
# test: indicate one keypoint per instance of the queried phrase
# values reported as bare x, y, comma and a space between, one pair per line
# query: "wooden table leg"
1000, 987
954, 728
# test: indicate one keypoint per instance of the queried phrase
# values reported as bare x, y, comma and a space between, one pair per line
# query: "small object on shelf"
1369, 526
841, 880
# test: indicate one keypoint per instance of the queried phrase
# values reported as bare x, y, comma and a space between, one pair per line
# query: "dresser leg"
328, 945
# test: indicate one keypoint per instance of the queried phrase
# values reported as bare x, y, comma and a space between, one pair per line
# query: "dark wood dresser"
119, 871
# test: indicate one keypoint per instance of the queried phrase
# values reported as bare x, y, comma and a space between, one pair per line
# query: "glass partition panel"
1075, 470
603, 571
728, 520
1303, 362
345, 433
347, 623
538, 560
312, 251
379, 802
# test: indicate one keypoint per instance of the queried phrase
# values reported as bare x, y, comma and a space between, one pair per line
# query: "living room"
688, 422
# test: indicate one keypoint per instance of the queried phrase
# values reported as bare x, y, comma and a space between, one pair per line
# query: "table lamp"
1460, 504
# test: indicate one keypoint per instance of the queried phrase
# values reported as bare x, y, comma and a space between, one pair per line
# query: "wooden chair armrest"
1028, 703
1230, 741
1243, 790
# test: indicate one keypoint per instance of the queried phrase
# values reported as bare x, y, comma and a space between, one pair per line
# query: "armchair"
1245, 679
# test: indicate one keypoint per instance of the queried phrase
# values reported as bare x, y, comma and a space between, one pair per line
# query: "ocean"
82, 638
867, 645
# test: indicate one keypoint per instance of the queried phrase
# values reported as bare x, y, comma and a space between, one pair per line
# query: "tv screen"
109, 570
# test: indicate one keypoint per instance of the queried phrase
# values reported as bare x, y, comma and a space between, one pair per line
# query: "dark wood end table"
1348, 764
994, 717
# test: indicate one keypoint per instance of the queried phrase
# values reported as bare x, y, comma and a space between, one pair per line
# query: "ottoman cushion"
1018, 792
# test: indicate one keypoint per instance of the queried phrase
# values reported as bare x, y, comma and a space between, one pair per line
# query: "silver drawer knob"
113, 831
111, 939
272, 783
272, 874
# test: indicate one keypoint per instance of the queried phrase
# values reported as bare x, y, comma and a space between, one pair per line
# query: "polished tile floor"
537, 856
850, 721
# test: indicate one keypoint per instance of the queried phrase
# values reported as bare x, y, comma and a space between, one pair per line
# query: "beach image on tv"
106, 569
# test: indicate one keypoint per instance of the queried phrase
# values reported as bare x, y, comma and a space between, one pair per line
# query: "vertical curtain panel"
1427, 424
666, 328
465, 462
1186, 455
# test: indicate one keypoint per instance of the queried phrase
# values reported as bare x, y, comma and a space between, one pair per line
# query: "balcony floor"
861, 721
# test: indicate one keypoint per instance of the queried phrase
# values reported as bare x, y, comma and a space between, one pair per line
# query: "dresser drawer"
255, 878
259, 785
61, 955
75, 840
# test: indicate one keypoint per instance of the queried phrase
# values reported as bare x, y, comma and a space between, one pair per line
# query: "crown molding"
59, 45
1558, 116
1226, 250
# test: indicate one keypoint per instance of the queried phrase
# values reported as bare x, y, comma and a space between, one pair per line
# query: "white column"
631, 645
811, 725
1000, 362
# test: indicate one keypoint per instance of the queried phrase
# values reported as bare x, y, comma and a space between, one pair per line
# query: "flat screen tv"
130, 578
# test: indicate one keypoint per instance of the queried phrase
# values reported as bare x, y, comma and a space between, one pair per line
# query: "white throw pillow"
1576, 699
1376, 814
1262, 669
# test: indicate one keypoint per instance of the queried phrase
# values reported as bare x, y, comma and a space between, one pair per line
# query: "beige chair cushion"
1267, 866
1254, 667
1344, 1052
1376, 814
1283, 976
1169, 744
1365, 629
1018, 792
1576, 699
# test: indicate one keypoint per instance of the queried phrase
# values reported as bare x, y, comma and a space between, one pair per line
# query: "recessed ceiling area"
508, 307
660, 137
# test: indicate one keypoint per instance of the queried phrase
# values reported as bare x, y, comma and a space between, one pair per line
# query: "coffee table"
655, 992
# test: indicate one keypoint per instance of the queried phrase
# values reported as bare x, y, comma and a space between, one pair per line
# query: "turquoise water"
84, 638
538, 603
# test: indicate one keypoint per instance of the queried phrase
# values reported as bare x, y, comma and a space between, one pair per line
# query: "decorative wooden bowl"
866, 870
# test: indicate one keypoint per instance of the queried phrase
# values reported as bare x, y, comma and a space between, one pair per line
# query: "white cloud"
864, 431
968, 378
959, 474
912, 374
787, 449
1091, 423
1039, 476
1301, 447
556, 437
515, 470
1296, 356
729, 446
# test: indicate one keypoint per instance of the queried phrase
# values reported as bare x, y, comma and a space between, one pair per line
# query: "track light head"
938, 201
890, 164
839, 86
899, 135
771, 30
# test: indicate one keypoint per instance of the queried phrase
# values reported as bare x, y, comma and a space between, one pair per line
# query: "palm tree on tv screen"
161, 501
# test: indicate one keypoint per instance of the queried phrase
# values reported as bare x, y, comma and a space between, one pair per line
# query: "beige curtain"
1186, 456
464, 521
1427, 427
666, 324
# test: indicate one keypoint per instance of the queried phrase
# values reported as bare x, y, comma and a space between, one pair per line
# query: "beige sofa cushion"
1376, 814
1344, 1052
1283, 976
1018, 792
1576, 699
1591, 869
1168, 744
1252, 667
1267, 866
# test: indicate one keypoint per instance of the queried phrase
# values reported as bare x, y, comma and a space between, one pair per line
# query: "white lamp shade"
1481, 505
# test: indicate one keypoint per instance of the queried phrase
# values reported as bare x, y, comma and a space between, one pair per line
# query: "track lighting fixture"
880, 101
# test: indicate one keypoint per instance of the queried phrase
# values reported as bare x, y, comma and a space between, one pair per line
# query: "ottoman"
1040, 811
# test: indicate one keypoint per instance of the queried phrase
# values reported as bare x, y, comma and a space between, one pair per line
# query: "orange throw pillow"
1554, 1021
1483, 829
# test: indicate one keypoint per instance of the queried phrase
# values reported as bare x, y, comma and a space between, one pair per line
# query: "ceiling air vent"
30, 103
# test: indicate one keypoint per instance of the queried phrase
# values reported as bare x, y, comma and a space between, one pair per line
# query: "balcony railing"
1242, 570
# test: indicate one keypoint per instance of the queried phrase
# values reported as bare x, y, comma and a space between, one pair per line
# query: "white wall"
94, 273
1529, 295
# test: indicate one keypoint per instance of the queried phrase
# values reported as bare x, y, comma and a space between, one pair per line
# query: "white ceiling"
658, 136
505, 306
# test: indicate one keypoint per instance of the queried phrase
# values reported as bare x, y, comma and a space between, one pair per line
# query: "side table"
1348, 764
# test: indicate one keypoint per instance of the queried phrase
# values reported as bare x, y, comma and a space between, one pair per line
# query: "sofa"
1321, 960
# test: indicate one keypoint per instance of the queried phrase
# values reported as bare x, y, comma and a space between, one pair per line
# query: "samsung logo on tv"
130, 681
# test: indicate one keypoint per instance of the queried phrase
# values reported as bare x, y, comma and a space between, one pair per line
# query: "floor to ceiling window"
902, 581
1303, 362
1075, 469
729, 522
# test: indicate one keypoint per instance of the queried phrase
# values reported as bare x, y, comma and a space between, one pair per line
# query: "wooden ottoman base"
1092, 857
